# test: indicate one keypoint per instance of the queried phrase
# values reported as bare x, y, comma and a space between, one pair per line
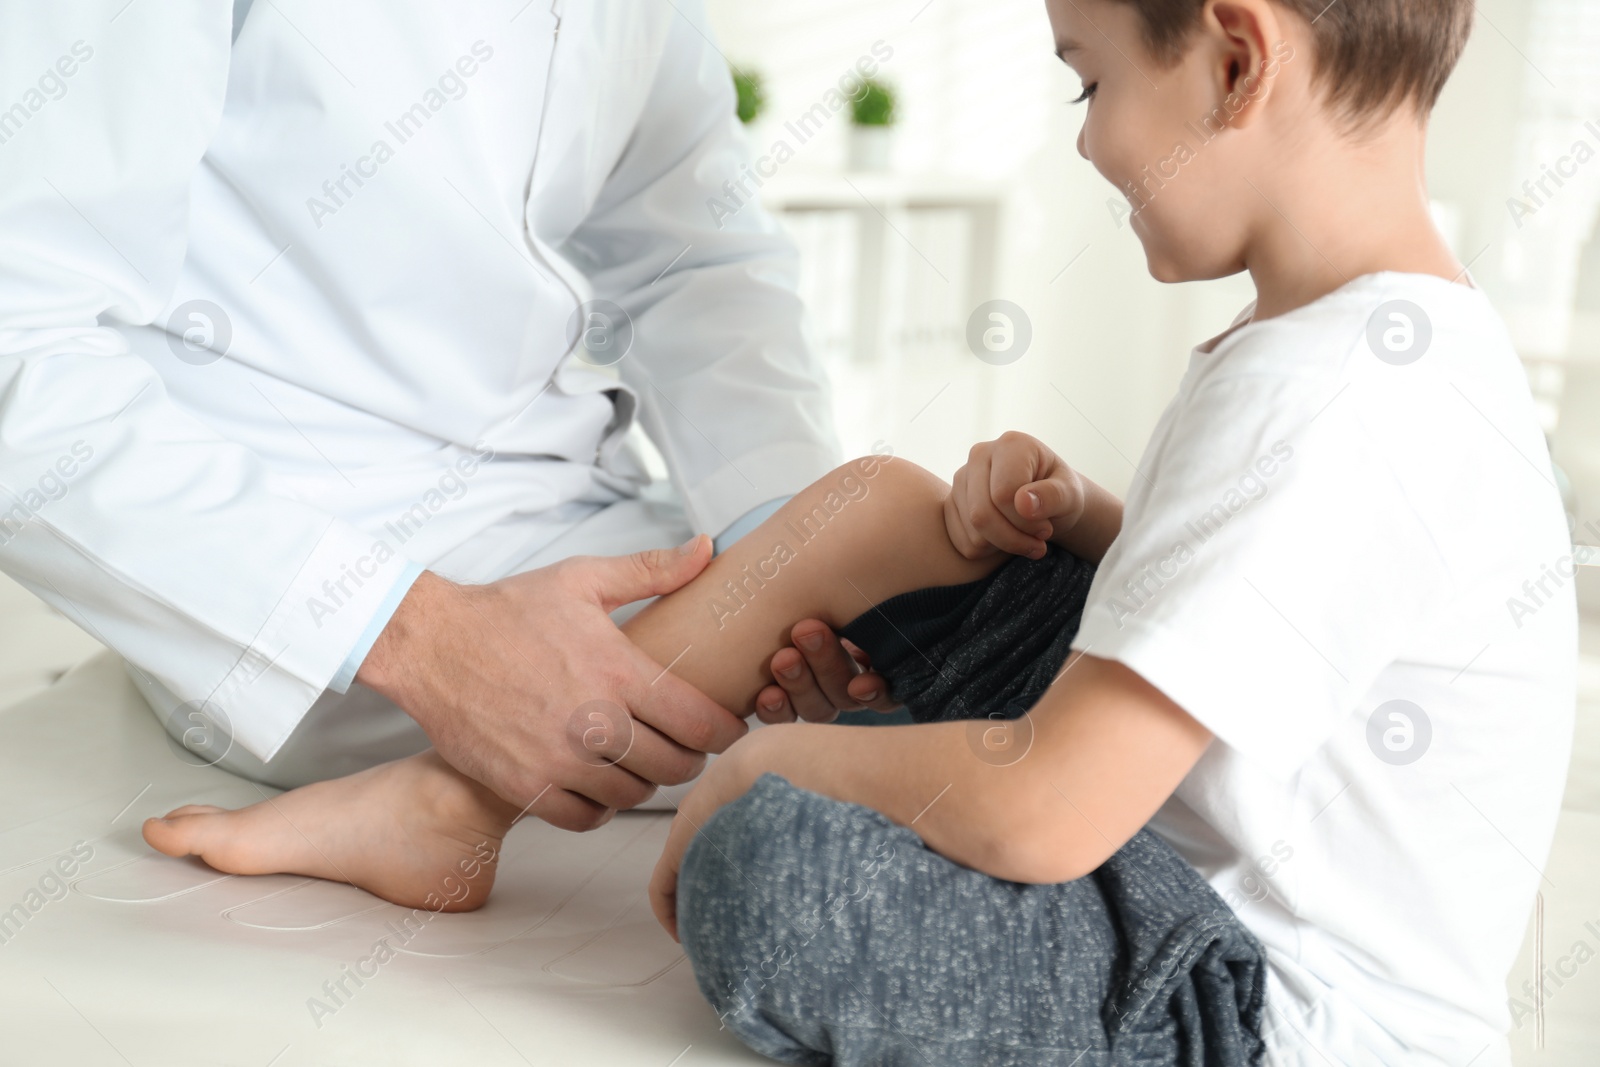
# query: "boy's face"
1164, 135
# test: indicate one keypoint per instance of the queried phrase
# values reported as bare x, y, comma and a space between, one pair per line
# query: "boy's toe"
194, 809
182, 831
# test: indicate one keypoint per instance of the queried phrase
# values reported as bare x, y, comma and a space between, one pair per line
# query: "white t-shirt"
1347, 506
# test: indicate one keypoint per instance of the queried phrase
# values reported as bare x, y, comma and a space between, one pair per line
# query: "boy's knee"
729, 923
893, 534
764, 873
730, 873
871, 511
895, 482
762, 894
869, 483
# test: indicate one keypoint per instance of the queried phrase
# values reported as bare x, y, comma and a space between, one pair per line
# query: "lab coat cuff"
300, 649
748, 480
352, 663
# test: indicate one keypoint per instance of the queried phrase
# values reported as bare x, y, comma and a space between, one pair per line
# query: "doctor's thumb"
624, 579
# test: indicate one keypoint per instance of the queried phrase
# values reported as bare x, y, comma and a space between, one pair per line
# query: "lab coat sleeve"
729, 389
158, 536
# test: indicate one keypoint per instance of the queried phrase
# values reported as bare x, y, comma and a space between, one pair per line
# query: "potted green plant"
872, 119
751, 88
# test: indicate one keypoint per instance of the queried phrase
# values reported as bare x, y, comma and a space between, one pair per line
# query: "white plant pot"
870, 147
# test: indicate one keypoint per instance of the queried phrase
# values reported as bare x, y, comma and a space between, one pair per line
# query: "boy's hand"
1014, 495
819, 676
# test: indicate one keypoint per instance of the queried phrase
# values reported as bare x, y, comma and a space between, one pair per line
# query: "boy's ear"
1248, 35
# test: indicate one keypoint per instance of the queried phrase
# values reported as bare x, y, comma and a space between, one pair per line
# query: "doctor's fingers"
679, 711
566, 810
654, 758
589, 793
575, 789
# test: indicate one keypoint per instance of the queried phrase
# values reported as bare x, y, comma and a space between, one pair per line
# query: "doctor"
322, 331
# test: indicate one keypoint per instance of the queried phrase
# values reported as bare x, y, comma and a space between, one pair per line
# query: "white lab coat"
391, 210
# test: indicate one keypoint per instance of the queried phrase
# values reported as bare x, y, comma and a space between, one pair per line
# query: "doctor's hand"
511, 680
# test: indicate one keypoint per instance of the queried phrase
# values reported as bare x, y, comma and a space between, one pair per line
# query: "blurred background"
955, 182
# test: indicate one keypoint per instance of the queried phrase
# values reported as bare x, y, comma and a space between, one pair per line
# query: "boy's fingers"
792, 672
958, 525
1009, 470
1045, 499
871, 690
996, 528
866, 689
664, 904
772, 706
978, 517
664, 885
831, 665
1012, 468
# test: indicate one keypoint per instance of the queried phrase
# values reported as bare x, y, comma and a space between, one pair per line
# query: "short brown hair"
1372, 56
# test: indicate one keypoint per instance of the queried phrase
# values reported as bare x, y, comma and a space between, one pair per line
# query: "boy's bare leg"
870, 530
421, 834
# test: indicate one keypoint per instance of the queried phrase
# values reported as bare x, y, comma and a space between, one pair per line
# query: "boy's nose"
1081, 150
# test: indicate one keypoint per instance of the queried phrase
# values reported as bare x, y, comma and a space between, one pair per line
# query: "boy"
1294, 661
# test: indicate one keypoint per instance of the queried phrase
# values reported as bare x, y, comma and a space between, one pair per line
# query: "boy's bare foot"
415, 832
